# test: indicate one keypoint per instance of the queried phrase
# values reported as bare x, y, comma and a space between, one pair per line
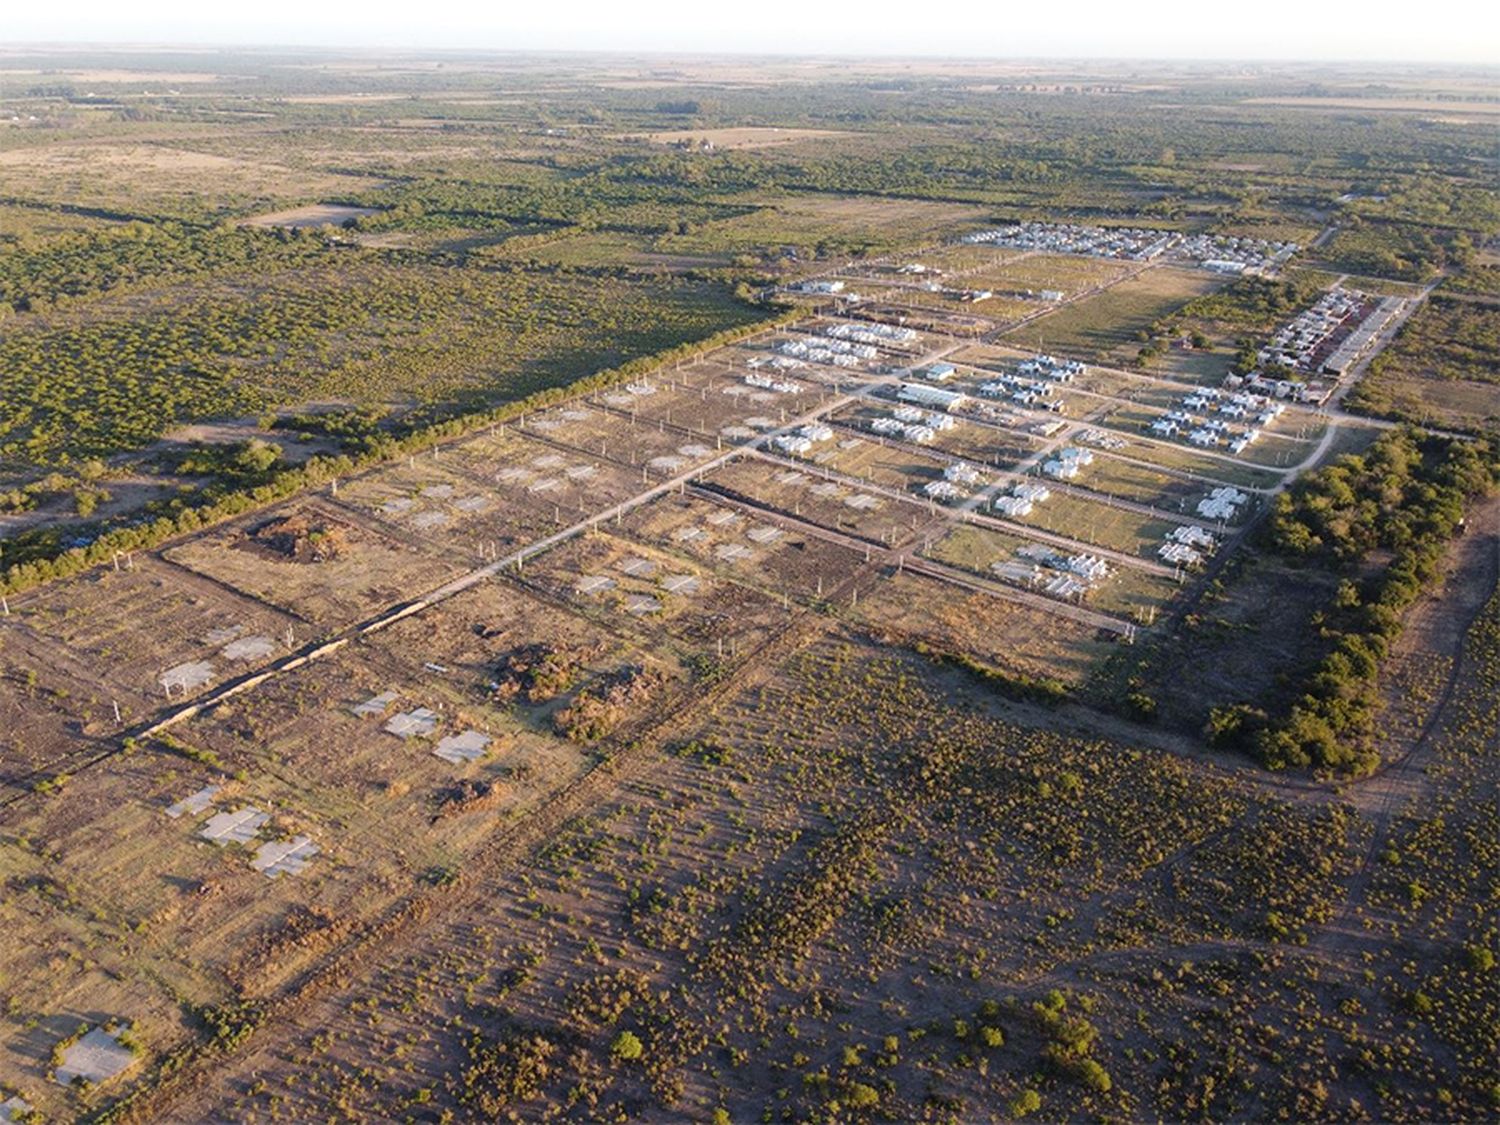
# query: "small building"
961, 473
940, 372
943, 490
933, 397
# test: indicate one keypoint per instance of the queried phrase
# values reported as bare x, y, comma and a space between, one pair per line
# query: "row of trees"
191, 513
1404, 497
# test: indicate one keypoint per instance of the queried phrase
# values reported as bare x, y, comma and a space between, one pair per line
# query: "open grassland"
153, 180
1443, 370
1107, 326
818, 225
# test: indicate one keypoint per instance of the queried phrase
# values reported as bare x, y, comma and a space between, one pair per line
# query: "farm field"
515, 606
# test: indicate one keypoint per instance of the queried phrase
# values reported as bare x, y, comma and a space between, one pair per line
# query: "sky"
1433, 31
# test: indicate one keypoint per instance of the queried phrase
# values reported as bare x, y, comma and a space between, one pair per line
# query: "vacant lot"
314, 215
150, 180
819, 225
1444, 368
1107, 326
742, 136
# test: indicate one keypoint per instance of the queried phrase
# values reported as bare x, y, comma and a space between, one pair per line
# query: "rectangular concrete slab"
237, 827
248, 648
98, 1056
641, 604
412, 724
284, 857
375, 705
461, 748
195, 804
186, 677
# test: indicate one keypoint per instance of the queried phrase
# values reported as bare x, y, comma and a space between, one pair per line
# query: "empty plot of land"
1108, 323
741, 136
314, 215
159, 176
1390, 105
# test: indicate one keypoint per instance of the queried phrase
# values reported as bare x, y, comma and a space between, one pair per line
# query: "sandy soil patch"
746, 136
314, 215
1389, 105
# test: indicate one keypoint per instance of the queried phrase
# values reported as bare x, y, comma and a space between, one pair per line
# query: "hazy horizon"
1169, 30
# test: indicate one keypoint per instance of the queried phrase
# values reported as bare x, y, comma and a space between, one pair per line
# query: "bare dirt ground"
742, 137
313, 215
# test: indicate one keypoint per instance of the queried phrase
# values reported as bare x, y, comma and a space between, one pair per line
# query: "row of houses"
1222, 504
872, 333
1050, 367
1228, 254
1297, 343
1135, 243
958, 479
914, 414
1023, 392
835, 353
1359, 340
802, 440
912, 424
1021, 499
1067, 462
1187, 545
943, 490
1069, 577
1293, 390
773, 384
1187, 422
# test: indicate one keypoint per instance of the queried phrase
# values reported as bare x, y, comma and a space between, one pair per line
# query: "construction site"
247, 747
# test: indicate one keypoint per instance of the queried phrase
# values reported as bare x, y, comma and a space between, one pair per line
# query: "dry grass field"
741, 136
160, 179
1105, 326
